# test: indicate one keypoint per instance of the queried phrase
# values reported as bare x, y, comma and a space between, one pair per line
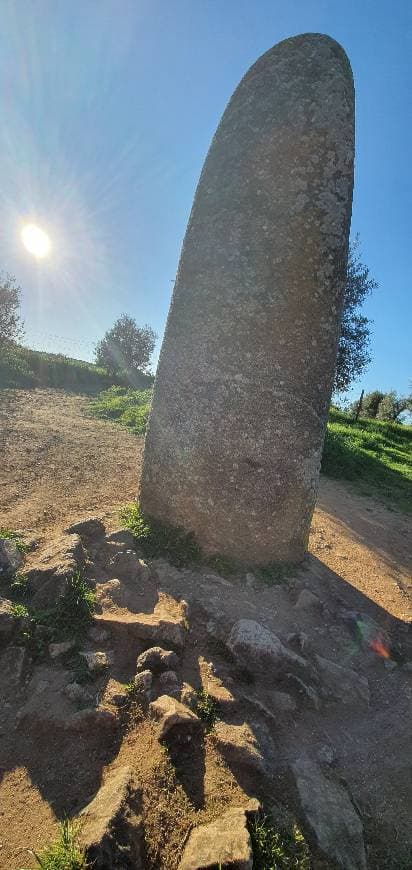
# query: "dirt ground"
58, 466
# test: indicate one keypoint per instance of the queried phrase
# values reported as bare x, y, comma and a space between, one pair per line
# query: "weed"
275, 573
64, 853
155, 539
68, 620
19, 610
128, 407
283, 849
13, 536
206, 708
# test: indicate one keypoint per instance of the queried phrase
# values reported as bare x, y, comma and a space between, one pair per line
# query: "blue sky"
107, 111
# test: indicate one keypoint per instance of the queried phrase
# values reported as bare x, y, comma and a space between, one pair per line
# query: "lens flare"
379, 648
36, 241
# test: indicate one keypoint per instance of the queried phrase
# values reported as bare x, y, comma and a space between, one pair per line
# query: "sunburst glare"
36, 241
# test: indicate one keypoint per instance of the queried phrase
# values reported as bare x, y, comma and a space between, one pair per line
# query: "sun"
36, 241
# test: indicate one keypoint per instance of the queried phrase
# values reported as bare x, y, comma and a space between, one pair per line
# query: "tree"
392, 406
354, 342
11, 324
126, 347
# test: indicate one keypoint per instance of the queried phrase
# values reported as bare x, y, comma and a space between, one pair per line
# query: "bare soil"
59, 466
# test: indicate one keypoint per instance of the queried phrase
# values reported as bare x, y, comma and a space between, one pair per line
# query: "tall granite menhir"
243, 387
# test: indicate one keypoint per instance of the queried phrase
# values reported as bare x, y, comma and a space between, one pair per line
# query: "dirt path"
58, 465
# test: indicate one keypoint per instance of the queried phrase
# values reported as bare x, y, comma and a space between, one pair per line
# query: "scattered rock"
10, 557
48, 578
239, 747
122, 537
90, 527
157, 659
143, 682
307, 600
343, 684
127, 566
304, 689
97, 661
59, 649
330, 815
166, 625
259, 650
92, 717
218, 627
169, 683
98, 635
174, 719
280, 702
8, 621
188, 695
12, 663
77, 693
223, 843
111, 829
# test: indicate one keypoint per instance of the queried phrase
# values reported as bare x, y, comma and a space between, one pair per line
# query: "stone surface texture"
171, 715
261, 651
223, 843
244, 380
111, 827
330, 814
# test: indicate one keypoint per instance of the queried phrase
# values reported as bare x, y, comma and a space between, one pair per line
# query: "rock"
251, 317
8, 621
343, 684
97, 661
77, 693
307, 600
223, 843
239, 747
110, 591
91, 527
111, 828
173, 718
304, 689
47, 578
188, 695
98, 635
157, 659
218, 627
143, 682
259, 650
127, 566
122, 537
331, 816
92, 718
169, 683
167, 625
10, 557
59, 649
281, 702
12, 663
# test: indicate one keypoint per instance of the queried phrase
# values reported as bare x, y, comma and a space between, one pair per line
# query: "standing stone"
244, 381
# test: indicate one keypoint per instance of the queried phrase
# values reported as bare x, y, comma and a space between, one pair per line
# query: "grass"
22, 367
130, 408
68, 620
206, 708
64, 853
156, 539
13, 536
283, 849
374, 455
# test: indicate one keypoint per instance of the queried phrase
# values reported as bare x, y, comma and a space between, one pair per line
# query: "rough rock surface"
239, 747
143, 682
166, 625
258, 649
90, 527
47, 578
172, 715
157, 659
8, 621
251, 322
330, 814
169, 683
223, 843
111, 826
344, 684
10, 557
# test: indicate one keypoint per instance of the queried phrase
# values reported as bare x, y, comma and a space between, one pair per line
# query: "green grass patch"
22, 367
206, 708
70, 619
273, 849
374, 455
123, 405
156, 540
64, 853
13, 536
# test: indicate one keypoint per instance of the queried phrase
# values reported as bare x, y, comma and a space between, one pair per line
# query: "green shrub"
206, 708
283, 849
64, 853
